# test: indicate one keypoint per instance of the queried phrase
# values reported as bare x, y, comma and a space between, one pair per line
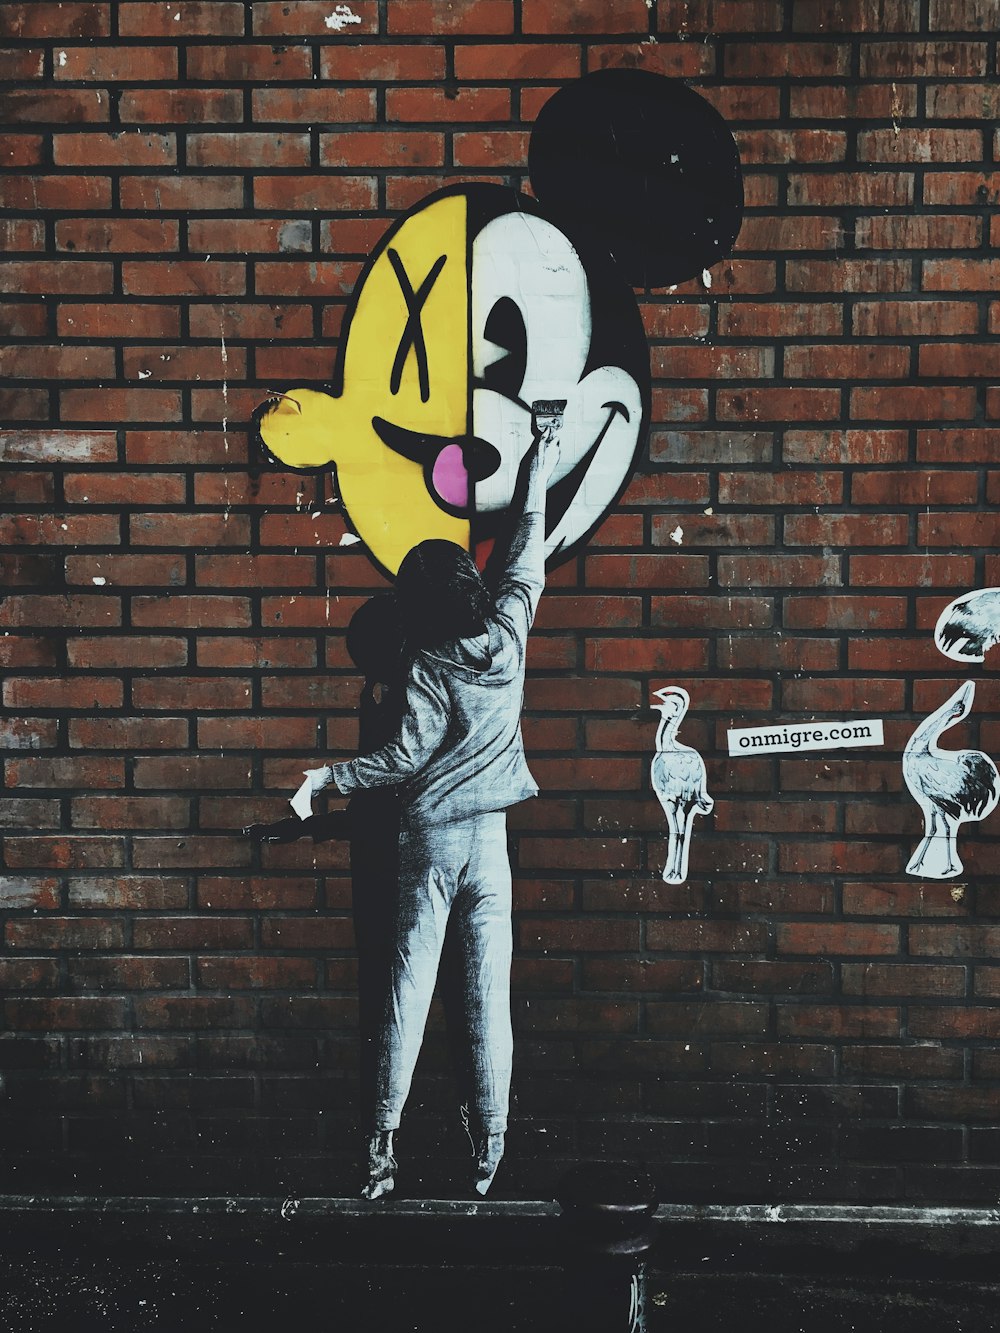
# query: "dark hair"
441, 595
375, 638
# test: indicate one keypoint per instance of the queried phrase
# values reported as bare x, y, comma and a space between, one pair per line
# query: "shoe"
381, 1167
487, 1160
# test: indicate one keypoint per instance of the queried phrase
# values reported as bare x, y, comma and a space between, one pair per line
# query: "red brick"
60, 530
22, 150
967, 275
836, 938
465, 18
65, 933
181, 106
42, 18
861, 695
63, 693
275, 733
314, 194
959, 529
780, 320
373, 148
847, 529
247, 149
831, 16
54, 445
254, 322
911, 571
914, 318
729, 613
909, 403
779, 572
181, 18
125, 488
960, 187
839, 1021
431, 104
55, 276
522, 61
56, 106
128, 733
93, 771
259, 63
913, 488
778, 405
706, 936
196, 1012
36, 611
109, 321
117, 64
174, 693
171, 447
203, 610
314, 105
132, 651
65, 1013
954, 360
799, 146
117, 149
589, 936
190, 529
32, 361
21, 63
132, 812
181, 193
786, 59
869, 189
182, 277
896, 232
920, 145
949, 60
23, 320
773, 977
752, 653
862, 361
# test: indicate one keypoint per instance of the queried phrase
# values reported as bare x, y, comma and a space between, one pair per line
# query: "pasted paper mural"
488, 408
950, 786
679, 781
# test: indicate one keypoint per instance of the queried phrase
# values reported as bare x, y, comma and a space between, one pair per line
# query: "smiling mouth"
452, 463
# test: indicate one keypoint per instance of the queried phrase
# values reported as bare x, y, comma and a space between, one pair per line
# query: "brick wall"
189, 192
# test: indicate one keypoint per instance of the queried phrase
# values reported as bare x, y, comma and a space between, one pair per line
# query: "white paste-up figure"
679, 780
969, 626
950, 786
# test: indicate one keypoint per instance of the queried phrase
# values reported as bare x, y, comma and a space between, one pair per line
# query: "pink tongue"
450, 478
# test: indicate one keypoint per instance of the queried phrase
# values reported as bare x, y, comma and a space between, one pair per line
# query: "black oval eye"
505, 328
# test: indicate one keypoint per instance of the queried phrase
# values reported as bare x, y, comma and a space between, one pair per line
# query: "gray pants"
461, 868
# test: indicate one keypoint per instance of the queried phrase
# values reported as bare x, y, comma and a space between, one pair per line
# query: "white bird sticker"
950, 786
679, 781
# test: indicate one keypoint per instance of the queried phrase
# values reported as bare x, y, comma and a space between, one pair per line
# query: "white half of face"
525, 270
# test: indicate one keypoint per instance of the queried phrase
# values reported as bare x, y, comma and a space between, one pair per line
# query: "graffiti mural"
950, 786
489, 405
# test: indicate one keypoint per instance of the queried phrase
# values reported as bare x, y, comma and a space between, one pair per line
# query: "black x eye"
505, 328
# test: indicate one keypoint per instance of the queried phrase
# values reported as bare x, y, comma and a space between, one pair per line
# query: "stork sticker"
482, 301
679, 781
969, 626
950, 786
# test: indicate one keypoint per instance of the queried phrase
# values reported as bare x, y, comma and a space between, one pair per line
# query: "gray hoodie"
458, 751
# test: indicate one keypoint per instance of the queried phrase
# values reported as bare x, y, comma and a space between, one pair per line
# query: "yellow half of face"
406, 362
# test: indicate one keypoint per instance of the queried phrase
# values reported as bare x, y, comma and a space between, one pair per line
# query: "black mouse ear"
645, 166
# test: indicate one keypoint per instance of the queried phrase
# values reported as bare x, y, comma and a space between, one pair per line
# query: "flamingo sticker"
679, 781
950, 786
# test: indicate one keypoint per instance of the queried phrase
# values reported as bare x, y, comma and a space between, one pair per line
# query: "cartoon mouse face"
475, 308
